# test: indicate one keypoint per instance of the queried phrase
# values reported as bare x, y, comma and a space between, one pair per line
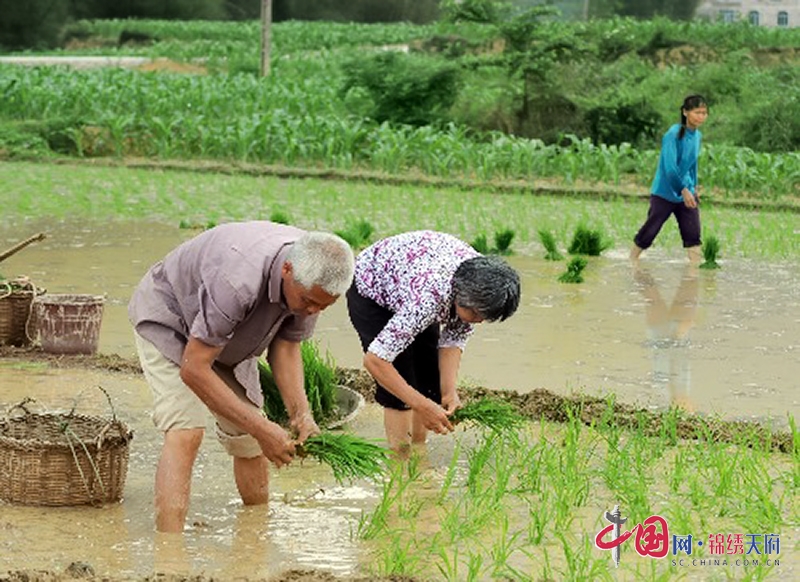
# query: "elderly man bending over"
202, 317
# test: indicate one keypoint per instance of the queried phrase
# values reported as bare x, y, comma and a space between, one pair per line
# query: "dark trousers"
418, 364
660, 210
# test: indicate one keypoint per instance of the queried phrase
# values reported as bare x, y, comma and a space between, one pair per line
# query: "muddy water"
307, 524
723, 342
718, 342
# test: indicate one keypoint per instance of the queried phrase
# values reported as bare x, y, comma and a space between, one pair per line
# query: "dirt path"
538, 404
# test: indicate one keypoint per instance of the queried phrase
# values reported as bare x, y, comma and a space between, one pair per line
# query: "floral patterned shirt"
411, 274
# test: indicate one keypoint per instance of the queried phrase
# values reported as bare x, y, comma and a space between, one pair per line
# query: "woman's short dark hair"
487, 285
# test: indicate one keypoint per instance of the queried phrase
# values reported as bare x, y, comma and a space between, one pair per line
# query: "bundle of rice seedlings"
357, 234
349, 457
320, 386
481, 244
492, 413
502, 241
587, 242
710, 252
549, 243
574, 272
280, 217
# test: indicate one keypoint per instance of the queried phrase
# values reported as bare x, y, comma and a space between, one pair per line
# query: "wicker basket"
16, 298
62, 458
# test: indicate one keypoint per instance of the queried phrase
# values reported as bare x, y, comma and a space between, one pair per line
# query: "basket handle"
103, 433
76, 401
21, 406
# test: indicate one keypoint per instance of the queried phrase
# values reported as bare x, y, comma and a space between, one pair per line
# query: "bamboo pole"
266, 36
19, 246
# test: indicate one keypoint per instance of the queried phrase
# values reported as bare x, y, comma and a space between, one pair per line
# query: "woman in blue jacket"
674, 189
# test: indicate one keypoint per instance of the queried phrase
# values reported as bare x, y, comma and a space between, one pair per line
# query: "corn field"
298, 116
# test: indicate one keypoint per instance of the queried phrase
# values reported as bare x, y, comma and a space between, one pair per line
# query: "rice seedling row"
526, 505
95, 193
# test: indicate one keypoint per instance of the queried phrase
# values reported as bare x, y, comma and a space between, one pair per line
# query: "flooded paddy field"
722, 342
716, 343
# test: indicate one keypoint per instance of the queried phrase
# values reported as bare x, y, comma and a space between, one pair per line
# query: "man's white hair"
324, 259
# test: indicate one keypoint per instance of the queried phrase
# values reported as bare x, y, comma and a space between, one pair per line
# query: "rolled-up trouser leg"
689, 225
658, 213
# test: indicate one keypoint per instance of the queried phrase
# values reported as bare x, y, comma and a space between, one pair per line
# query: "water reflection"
668, 327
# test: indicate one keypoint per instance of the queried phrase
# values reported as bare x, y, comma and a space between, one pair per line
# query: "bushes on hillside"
773, 126
401, 88
617, 123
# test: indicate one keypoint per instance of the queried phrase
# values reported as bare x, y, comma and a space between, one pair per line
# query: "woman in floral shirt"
414, 301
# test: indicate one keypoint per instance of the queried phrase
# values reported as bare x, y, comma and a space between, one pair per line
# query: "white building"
757, 12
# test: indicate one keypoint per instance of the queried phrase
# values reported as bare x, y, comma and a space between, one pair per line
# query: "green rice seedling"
581, 561
574, 272
549, 243
540, 516
490, 413
320, 385
587, 242
795, 476
481, 244
450, 476
274, 407
474, 566
394, 488
349, 456
357, 234
502, 241
506, 543
710, 253
280, 217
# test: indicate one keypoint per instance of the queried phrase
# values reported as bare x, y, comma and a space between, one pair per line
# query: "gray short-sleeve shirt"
222, 287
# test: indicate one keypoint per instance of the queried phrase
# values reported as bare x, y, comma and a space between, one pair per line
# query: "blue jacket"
677, 164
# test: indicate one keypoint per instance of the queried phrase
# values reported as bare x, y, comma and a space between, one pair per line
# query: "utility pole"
586, 10
266, 36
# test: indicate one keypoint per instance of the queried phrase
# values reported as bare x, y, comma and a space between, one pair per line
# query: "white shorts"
176, 406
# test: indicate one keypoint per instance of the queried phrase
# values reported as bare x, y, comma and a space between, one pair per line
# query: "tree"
531, 51
33, 23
